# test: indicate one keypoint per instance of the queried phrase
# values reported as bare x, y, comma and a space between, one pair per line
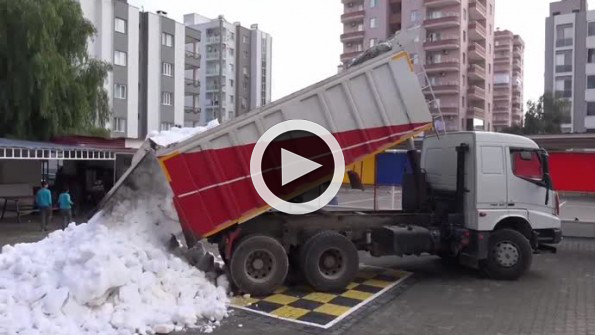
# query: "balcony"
354, 2
502, 60
446, 109
517, 52
444, 43
500, 109
446, 20
214, 88
517, 64
192, 110
357, 15
502, 98
477, 11
445, 87
192, 60
215, 55
477, 52
476, 112
441, 3
443, 65
476, 72
476, 93
352, 36
477, 31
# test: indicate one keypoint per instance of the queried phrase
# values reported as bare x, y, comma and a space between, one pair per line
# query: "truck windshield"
527, 164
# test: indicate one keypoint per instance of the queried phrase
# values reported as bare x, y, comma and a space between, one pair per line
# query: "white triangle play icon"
294, 166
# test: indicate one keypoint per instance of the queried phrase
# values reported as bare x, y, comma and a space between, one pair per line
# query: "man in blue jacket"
44, 203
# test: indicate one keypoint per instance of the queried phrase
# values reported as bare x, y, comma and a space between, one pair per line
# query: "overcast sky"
305, 33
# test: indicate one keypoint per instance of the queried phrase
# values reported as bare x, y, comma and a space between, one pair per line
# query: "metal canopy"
17, 149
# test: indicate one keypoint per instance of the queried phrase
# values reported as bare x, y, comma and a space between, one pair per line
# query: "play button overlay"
297, 167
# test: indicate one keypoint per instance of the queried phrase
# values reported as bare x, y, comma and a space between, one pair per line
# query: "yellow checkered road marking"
303, 305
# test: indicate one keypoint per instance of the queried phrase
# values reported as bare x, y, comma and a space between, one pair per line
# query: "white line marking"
563, 203
339, 318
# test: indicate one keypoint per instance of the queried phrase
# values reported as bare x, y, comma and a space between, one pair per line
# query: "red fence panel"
573, 171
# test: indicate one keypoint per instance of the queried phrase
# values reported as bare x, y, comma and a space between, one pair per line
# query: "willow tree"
48, 84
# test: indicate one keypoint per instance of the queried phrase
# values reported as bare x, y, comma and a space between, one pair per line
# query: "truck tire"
329, 261
258, 265
509, 255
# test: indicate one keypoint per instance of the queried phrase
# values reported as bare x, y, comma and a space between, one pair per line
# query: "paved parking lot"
556, 297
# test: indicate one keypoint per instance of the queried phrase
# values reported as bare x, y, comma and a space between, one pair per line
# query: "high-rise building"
236, 67
455, 47
570, 62
154, 83
508, 79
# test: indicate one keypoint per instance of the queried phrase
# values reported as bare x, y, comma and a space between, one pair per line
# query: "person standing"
43, 199
65, 204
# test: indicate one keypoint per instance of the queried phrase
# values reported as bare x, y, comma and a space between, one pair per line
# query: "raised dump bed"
367, 108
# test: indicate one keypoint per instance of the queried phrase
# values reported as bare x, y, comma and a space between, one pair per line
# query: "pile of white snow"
112, 275
174, 135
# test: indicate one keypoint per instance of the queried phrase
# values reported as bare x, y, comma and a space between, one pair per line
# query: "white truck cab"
506, 186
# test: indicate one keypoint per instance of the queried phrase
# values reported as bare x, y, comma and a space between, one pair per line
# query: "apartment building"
455, 48
570, 62
154, 83
236, 64
508, 79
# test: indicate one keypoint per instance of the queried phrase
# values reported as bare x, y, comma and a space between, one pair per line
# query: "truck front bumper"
549, 236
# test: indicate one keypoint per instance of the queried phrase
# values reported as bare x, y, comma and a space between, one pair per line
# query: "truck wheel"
509, 256
329, 261
258, 265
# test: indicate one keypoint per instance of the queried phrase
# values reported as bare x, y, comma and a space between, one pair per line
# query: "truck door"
491, 178
526, 189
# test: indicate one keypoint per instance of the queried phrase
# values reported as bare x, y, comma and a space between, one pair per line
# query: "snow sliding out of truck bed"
367, 108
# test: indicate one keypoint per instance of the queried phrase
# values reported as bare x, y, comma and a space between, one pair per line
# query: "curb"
578, 229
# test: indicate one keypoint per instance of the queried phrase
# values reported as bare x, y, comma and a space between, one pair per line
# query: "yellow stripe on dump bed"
405, 55
162, 160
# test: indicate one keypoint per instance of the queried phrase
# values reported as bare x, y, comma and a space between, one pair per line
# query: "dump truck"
483, 199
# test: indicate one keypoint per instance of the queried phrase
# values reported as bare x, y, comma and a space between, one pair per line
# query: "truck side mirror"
355, 181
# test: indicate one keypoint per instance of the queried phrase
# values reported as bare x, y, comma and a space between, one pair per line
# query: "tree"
543, 116
48, 84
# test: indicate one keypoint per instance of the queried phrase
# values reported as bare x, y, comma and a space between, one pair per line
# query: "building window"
166, 126
464, 58
231, 100
373, 3
415, 16
463, 101
564, 61
373, 42
359, 47
231, 67
564, 34
373, 22
167, 39
464, 13
166, 98
590, 108
489, 68
590, 82
591, 56
120, 91
490, 48
563, 87
464, 36
231, 52
231, 83
120, 58
592, 28
491, 9
119, 125
244, 39
120, 25
168, 69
